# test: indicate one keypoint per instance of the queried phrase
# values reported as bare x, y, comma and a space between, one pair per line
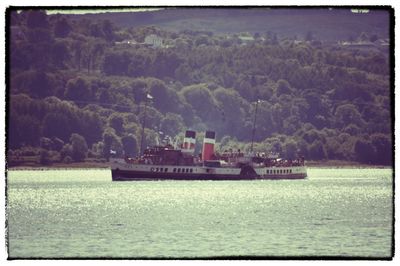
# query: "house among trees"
127, 43
153, 40
77, 88
246, 38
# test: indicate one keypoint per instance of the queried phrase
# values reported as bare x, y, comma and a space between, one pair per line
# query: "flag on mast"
149, 96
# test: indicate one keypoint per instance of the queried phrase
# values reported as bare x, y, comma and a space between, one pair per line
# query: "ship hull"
123, 171
127, 175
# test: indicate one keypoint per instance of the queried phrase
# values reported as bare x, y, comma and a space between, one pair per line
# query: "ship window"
191, 170
166, 170
290, 171
179, 170
157, 169
267, 171
280, 171
174, 170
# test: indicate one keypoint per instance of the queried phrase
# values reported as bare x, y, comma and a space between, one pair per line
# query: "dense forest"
79, 87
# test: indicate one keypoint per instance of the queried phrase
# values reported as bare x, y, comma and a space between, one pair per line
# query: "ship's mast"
254, 126
148, 97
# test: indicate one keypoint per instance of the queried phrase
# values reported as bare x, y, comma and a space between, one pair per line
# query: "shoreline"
343, 164
104, 166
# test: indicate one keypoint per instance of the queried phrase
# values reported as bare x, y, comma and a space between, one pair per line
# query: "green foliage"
57, 125
79, 147
46, 143
116, 121
348, 114
111, 143
130, 145
62, 28
36, 83
172, 124
37, 19
67, 159
383, 148
81, 76
57, 144
23, 130
317, 151
290, 150
201, 100
44, 157
66, 151
283, 87
77, 90
364, 151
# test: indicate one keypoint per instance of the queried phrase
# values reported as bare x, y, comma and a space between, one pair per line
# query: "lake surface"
82, 213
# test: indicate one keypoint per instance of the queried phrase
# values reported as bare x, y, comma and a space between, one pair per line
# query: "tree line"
78, 89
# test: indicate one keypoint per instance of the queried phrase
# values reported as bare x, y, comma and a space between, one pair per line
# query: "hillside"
78, 84
325, 24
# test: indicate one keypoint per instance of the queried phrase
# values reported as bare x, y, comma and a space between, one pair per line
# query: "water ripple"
81, 213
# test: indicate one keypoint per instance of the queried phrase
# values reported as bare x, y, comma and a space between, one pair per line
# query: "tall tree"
79, 147
130, 145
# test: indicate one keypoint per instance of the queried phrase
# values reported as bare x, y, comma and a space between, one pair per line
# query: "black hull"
119, 175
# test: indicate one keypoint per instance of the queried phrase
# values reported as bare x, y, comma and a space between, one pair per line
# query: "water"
82, 213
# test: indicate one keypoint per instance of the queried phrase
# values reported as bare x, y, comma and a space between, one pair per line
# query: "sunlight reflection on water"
82, 213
